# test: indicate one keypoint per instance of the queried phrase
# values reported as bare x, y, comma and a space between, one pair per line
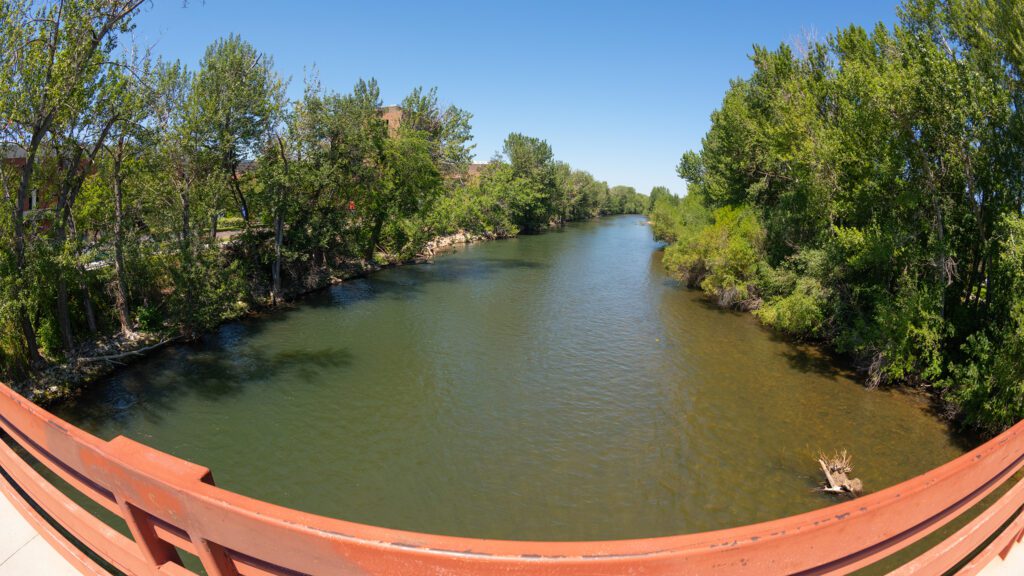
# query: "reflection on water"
551, 387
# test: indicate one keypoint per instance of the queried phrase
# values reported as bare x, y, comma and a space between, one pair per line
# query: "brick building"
39, 199
393, 116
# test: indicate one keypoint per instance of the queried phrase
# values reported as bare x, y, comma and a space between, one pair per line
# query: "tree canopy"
867, 191
141, 196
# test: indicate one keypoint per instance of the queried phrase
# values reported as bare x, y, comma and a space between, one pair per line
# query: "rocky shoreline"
442, 244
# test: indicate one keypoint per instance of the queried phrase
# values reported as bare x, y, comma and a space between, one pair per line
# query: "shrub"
800, 313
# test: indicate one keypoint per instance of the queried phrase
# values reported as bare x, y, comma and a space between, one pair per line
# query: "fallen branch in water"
836, 469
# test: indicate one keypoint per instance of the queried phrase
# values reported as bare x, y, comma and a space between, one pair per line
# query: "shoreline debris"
837, 469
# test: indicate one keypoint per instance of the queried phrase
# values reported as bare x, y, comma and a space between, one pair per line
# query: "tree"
449, 132
532, 161
141, 159
135, 95
237, 99
55, 54
186, 184
411, 185
658, 193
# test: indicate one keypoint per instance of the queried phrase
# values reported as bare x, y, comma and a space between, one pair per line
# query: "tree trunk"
65, 223
63, 310
185, 258
378, 225
64, 316
60, 237
90, 311
278, 241
35, 360
279, 226
243, 205
83, 282
121, 302
186, 225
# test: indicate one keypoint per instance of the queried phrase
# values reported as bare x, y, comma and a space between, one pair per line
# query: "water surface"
558, 386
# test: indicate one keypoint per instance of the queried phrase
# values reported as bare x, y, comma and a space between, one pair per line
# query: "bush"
988, 382
723, 258
230, 223
149, 318
910, 334
988, 386
801, 313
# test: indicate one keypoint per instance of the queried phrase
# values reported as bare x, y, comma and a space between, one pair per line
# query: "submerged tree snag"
836, 469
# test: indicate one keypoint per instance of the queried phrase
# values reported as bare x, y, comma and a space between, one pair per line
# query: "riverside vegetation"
137, 166
867, 190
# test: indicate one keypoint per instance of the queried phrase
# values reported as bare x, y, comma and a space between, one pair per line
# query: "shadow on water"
409, 282
814, 361
964, 438
218, 366
704, 301
213, 373
806, 357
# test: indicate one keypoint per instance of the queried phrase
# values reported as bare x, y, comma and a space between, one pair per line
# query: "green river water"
558, 386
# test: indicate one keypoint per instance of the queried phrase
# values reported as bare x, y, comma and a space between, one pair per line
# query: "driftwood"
113, 358
836, 469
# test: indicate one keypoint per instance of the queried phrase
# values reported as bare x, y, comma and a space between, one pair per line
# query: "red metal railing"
167, 503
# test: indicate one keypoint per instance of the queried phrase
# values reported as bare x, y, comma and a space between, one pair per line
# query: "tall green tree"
55, 54
532, 161
449, 131
237, 99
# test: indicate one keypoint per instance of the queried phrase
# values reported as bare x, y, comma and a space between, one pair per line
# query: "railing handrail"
169, 502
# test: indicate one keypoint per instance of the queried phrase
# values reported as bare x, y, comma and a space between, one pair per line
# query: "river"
558, 386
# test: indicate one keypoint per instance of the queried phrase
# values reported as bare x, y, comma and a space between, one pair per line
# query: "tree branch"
113, 358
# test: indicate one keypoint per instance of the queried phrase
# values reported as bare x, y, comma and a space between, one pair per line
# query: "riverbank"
865, 368
101, 357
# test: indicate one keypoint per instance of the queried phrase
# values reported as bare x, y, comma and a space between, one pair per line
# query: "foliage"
172, 199
723, 257
883, 168
799, 312
987, 380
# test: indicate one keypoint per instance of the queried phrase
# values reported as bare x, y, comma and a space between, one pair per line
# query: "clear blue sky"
620, 89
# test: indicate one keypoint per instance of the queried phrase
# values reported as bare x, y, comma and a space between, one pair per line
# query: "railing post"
155, 551
1015, 541
176, 472
214, 558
